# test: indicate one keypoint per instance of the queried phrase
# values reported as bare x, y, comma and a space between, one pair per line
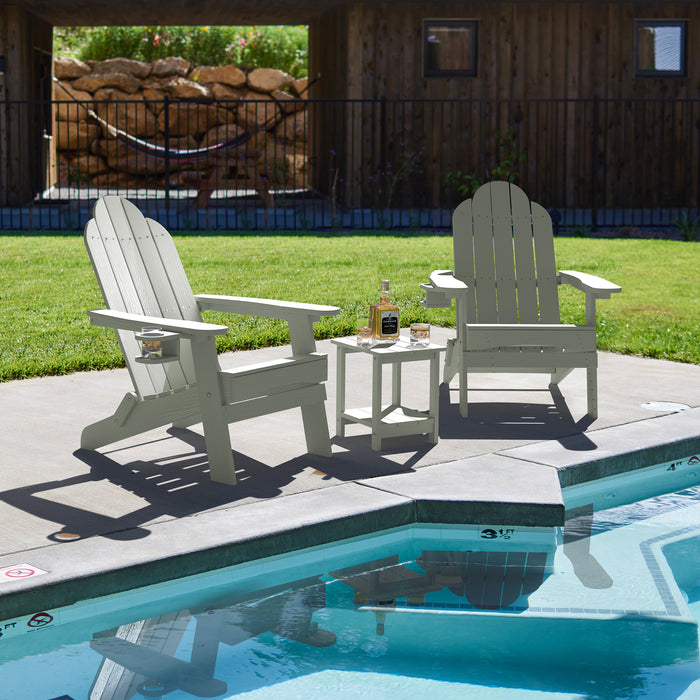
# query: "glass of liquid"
420, 334
152, 343
364, 333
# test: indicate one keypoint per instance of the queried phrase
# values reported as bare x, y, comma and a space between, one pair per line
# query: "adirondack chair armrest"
599, 287
266, 308
442, 288
300, 317
121, 320
594, 288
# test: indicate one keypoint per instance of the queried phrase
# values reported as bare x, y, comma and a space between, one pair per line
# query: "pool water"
606, 607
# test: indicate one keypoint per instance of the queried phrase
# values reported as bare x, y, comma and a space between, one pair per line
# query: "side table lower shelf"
392, 420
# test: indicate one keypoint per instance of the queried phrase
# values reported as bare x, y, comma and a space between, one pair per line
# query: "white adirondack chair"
505, 286
144, 284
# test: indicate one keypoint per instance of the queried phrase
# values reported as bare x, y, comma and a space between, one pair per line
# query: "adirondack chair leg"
132, 417
463, 394
592, 386
218, 444
318, 441
216, 436
108, 430
453, 358
454, 364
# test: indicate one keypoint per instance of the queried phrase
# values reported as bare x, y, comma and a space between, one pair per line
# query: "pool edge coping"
365, 509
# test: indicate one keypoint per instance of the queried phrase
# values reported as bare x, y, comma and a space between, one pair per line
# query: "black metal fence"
319, 164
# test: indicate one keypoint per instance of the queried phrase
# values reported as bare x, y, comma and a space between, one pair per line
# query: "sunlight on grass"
48, 284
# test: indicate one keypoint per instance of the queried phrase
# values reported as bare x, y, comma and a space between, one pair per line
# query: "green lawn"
47, 284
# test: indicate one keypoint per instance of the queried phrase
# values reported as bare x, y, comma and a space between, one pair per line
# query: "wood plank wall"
24, 42
526, 50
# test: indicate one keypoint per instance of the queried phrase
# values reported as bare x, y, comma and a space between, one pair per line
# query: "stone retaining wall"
219, 104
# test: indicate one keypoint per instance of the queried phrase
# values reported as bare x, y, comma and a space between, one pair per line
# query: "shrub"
283, 47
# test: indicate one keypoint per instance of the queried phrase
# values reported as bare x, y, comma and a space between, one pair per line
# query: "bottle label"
389, 323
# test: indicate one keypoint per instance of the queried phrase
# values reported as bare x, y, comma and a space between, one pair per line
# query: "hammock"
190, 155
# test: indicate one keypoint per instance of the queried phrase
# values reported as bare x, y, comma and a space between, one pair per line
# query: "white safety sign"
19, 571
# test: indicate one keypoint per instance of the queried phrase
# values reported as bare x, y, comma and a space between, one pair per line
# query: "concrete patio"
145, 510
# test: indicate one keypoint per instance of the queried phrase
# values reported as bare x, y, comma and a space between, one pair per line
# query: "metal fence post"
382, 132
166, 141
594, 162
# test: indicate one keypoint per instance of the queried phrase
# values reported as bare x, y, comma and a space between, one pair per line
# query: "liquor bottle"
384, 318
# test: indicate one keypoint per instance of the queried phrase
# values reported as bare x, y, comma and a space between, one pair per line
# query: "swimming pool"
606, 607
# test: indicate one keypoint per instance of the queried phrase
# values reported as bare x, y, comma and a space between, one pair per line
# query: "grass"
47, 285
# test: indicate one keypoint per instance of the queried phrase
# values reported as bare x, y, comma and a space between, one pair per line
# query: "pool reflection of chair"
381, 581
489, 580
140, 657
285, 610
577, 548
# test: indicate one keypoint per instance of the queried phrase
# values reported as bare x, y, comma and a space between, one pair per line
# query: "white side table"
392, 420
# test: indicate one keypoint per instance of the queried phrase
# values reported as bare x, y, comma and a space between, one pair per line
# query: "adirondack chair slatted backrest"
139, 271
504, 252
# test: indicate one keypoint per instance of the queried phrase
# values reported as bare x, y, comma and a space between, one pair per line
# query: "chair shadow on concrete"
174, 488
355, 460
359, 461
179, 485
499, 420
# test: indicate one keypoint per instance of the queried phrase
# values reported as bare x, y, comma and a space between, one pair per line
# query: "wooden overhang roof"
196, 12
175, 12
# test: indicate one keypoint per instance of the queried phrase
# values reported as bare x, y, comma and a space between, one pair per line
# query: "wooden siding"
529, 50
26, 45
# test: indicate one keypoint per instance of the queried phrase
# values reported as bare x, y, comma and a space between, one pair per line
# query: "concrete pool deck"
145, 509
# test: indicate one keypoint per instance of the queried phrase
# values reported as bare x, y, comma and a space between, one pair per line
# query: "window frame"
682, 71
472, 25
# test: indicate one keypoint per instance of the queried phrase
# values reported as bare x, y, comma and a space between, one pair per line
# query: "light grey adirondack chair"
505, 286
144, 284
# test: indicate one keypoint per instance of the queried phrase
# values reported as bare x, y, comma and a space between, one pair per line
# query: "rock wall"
210, 105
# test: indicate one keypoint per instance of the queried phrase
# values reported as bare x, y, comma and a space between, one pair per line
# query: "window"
449, 47
660, 48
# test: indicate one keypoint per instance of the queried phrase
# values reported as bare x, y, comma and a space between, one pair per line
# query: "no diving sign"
18, 572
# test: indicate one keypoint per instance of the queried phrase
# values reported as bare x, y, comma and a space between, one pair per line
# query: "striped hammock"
188, 155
